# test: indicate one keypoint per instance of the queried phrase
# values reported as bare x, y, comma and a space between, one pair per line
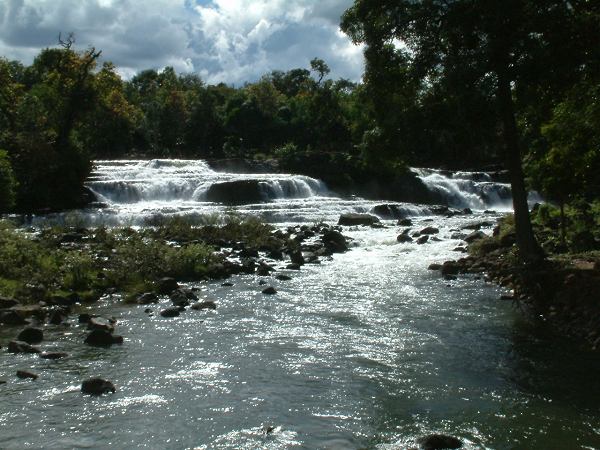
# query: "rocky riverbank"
53, 277
562, 290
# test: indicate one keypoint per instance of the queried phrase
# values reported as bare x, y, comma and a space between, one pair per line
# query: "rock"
297, 258
146, 298
166, 285
283, 277
439, 442
460, 249
467, 211
404, 238
236, 192
206, 304
227, 284
430, 230
31, 335
170, 312
434, 266
357, 219
22, 347
474, 236
269, 291
449, 277
100, 323
334, 241
56, 317
423, 239
148, 311
459, 236
11, 317
102, 338
2, 381
25, 374
6, 303
53, 355
450, 268
388, 211
293, 266
405, 223
97, 386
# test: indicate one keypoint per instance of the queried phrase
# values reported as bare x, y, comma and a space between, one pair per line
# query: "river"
368, 349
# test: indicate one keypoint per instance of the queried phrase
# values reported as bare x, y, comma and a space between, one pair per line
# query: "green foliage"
8, 183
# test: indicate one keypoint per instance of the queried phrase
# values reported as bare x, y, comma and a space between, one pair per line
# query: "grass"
129, 260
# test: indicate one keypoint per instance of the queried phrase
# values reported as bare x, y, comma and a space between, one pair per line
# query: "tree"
319, 66
8, 183
505, 42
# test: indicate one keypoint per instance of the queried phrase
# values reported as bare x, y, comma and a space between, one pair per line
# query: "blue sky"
229, 41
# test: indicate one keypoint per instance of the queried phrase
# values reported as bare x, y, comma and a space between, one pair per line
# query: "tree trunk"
529, 250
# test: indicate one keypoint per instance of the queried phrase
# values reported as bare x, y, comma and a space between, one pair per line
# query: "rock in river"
102, 338
170, 312
97, 386
25, 374
357, 219
31, 335
439, 442
269, 291
22, 347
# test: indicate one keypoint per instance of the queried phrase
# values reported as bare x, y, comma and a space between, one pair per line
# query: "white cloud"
223, 40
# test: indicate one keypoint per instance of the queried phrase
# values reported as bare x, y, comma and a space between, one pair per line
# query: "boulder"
53, 355
102, 338
404, 238
6, 303
25, 374
170, 312
146, 298
405, 223
22, 347
387, 211
334, 241
283, 277
269, 291
56, 317
434, 266
236, 192
100, 323
357, 219
10, 317
31, 335
430, 230
474, 236
439, 442
97, 386
296, 257
423, 239
206, 304
166, 285
450, 268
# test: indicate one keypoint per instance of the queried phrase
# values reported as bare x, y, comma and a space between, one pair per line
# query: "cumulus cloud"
230, 41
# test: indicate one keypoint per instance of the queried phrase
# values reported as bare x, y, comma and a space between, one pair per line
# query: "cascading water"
367, 349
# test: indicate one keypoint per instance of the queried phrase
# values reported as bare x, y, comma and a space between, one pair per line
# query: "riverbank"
562, 290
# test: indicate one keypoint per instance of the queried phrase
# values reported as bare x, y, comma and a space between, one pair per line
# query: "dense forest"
446, 84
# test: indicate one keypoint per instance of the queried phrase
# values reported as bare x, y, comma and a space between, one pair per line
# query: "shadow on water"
544, 364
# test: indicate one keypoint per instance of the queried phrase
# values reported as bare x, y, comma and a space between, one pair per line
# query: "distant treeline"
433, 103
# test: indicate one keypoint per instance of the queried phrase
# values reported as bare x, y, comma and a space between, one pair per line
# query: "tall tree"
510, 43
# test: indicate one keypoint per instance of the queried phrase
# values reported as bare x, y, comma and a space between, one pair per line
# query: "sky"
230, 41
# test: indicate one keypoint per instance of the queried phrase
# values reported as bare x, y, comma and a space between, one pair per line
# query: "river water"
366, 350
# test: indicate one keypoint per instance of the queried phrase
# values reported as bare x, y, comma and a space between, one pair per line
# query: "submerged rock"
357, 219
269, 291
22, 347
102, 338
25, 374
31, 335
170, 312
146, 298
207, 304
439, 442
53, 355
283, 277
404, 238
97, 386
